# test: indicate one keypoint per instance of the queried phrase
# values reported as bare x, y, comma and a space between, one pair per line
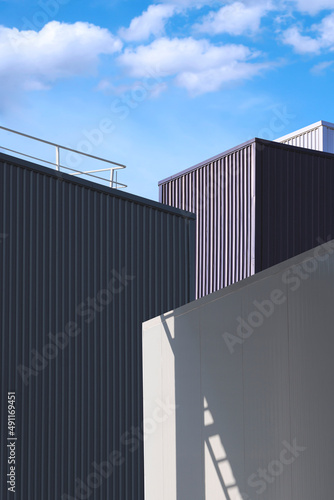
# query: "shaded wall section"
82, 266
294, 201
256, 205
246, 375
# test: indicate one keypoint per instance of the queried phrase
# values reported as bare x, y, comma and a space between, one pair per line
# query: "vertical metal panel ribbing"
295, 203
220, 194
64, 241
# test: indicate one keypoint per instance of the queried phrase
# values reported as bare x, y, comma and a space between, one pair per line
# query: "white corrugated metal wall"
319, 136
328, 138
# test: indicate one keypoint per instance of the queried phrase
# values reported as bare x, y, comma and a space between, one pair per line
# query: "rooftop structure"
319, 136
256, 205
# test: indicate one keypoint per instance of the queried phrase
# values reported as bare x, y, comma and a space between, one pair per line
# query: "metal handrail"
117, 166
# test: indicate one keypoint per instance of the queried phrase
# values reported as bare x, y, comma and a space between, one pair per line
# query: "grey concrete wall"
246, 376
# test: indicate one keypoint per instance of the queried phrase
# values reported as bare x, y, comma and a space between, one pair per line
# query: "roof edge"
308, 128
256, 140
209, 160
277, 269
21, 163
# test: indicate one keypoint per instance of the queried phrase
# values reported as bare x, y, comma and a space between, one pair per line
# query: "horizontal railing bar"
78, 172
100, 170
120, 165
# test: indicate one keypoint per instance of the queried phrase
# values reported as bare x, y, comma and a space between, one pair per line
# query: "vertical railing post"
113, 170
57, 158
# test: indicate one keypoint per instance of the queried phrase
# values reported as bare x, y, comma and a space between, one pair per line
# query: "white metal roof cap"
302, 131
318, 136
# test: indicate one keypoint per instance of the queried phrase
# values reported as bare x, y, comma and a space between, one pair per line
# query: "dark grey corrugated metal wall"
222, 194
294, 201
257, 205
64, 241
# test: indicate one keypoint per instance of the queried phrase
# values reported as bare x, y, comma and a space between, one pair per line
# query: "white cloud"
326, 30
196, 65
313, 6
213, 79
189, 3
234, 19
306, 6
304, 44
320, 69
31, 60
169, 56
151, 22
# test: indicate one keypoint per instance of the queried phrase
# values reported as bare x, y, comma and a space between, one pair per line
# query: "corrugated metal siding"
319, 137
312, 139
64, 240
222, 194
294, 202
242, 229
328, 138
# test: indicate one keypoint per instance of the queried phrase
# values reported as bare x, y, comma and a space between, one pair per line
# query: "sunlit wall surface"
246, 376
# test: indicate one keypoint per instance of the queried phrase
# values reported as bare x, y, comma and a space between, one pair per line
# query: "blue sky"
162, 86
